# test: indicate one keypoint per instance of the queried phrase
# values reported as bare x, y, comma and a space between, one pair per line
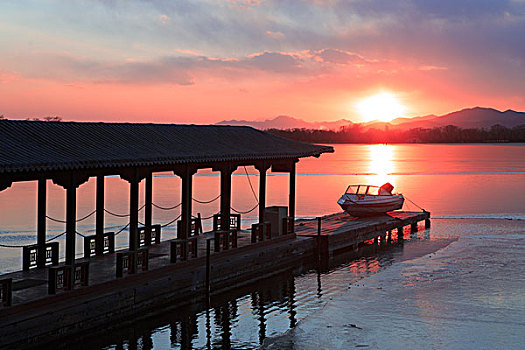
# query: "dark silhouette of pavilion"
69, 153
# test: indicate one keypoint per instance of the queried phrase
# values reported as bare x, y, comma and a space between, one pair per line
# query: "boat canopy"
384, 190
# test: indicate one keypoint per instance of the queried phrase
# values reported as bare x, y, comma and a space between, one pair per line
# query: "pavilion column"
133, 215
148, 201
226, 193
262, 167
99, 218
291, 198
71, 223
41, 222
71, 181
133, 176
186, 175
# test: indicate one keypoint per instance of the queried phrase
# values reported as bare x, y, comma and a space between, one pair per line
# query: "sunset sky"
206, 61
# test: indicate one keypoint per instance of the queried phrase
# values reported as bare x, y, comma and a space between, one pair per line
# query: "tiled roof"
51, 146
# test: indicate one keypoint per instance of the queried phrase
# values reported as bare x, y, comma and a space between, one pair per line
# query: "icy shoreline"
470, 294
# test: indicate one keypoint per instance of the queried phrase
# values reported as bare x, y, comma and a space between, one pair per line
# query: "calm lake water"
463, 186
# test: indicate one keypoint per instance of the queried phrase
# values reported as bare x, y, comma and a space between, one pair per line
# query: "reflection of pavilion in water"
217, 325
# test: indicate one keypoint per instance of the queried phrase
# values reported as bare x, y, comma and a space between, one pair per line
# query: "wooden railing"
30, 255
125, 261
225, 240
260, 232
67, 277
235, 222
288, 225
181, 249
195, 227
91, 243
149, 235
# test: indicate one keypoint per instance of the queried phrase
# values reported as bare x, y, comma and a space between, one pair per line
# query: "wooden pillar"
99, 219
226, 192
186, 200
70, 181
148, 209
133, 176
262, 167
71, 223
41, 222
134, 215
291, 198
427, 223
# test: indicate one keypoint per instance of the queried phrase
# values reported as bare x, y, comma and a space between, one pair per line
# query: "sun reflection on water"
381, 165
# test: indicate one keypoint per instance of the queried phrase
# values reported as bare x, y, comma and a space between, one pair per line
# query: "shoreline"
462, 295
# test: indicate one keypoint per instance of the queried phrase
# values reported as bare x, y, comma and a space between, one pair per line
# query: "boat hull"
370, 205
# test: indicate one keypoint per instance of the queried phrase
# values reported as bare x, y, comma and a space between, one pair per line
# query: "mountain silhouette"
477, 117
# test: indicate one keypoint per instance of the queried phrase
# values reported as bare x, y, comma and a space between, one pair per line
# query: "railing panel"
6, 291
195, 227
235, 222
143, 237
81, 274
183, 248
124, 263
59, 279
225, 240
30, 255
91, 243
287, 225
260, 232
155, 234
143, 259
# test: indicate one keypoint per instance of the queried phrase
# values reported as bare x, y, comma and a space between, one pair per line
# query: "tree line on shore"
447, 134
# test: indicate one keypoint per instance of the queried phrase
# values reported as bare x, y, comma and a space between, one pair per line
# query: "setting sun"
383, 107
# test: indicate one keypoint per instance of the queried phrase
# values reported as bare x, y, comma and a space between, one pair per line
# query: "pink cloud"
7, 76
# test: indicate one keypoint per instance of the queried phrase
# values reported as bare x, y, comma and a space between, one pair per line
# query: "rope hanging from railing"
250, 182
122, 229
171, 222
21, 246
207, 202
122, 215
77, 220
245, 212
166, 208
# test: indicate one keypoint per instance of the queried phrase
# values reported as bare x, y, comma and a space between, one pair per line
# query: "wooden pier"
340, 232
36, 317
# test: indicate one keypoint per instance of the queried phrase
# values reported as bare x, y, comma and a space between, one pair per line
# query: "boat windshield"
352, 189
372, 190
363, 189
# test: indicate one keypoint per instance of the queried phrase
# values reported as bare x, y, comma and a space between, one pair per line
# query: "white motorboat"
367, 200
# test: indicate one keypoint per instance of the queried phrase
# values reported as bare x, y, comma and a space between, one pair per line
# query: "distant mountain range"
476, 117
287, 122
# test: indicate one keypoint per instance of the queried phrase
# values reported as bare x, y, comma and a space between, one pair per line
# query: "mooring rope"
414, 203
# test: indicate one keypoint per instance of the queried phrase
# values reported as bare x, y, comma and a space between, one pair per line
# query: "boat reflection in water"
245, 317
